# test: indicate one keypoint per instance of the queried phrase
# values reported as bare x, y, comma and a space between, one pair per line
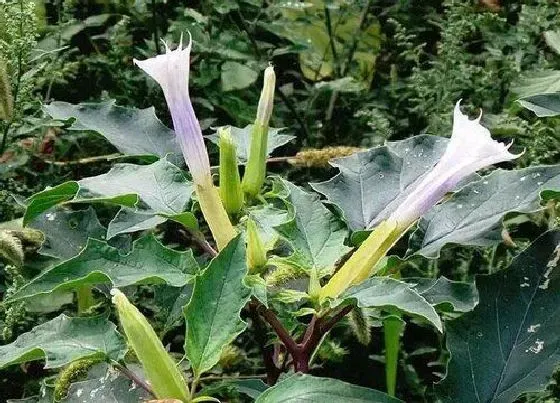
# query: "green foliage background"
348, 73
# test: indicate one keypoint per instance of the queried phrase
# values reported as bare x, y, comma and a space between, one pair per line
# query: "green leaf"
250, 387
42, 201
66, 232
63, 340
510, 343
236, 76
371, 184
473, 214
542, 82
107, 386
445, 294
155, 191
307, 388
544, 105
132, 131
171, 301
307, 28
346, 84
149, 262
213, 314
390, 294
242, 140
552, 39
267, 218
316, 235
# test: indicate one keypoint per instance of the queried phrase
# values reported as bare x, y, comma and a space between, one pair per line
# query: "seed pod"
160, 369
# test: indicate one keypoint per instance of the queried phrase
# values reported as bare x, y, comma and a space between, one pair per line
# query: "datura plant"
251, 273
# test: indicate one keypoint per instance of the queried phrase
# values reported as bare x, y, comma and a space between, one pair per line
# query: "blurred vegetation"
350, 73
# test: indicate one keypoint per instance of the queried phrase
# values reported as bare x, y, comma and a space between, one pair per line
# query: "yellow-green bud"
256, 252
230, 183
266, 101
255, 171
160, 369
6, 98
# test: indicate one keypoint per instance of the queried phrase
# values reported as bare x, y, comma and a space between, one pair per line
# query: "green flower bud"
160, 369
266, 101
230, 183
255, 171
256, 252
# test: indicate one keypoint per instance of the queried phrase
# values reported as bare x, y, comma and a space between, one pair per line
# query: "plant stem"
301, 351
267, 350
85, 299
154, 23
134, 378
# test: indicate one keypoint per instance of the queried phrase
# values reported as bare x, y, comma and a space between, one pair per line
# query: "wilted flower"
171, 71
470, 149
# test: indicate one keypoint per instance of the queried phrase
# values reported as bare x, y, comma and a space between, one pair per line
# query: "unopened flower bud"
230, 183
255, 171
161, 371
256, 252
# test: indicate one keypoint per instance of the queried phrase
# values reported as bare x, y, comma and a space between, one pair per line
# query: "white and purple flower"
171, 71
471, 148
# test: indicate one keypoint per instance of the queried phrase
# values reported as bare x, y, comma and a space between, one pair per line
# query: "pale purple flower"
471, 148
171, 71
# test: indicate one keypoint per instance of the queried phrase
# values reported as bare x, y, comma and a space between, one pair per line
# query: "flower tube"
171, 72
471, 148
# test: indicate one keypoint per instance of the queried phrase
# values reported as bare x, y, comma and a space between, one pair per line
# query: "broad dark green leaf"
316, 235
66, 232
552, 39
510, 343
372, 183
267, 218
543, 105
236, 76
311, 389
473, 214
390, 295
132, 131
213, 314
446, 294
250, 387
242, 139
150, 192
540, 92
149, 262
542, 82
107, 386
51, 196
63, 340
171, 301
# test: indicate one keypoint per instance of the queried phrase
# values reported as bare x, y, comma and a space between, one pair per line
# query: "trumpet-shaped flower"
171, 71
470, 149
